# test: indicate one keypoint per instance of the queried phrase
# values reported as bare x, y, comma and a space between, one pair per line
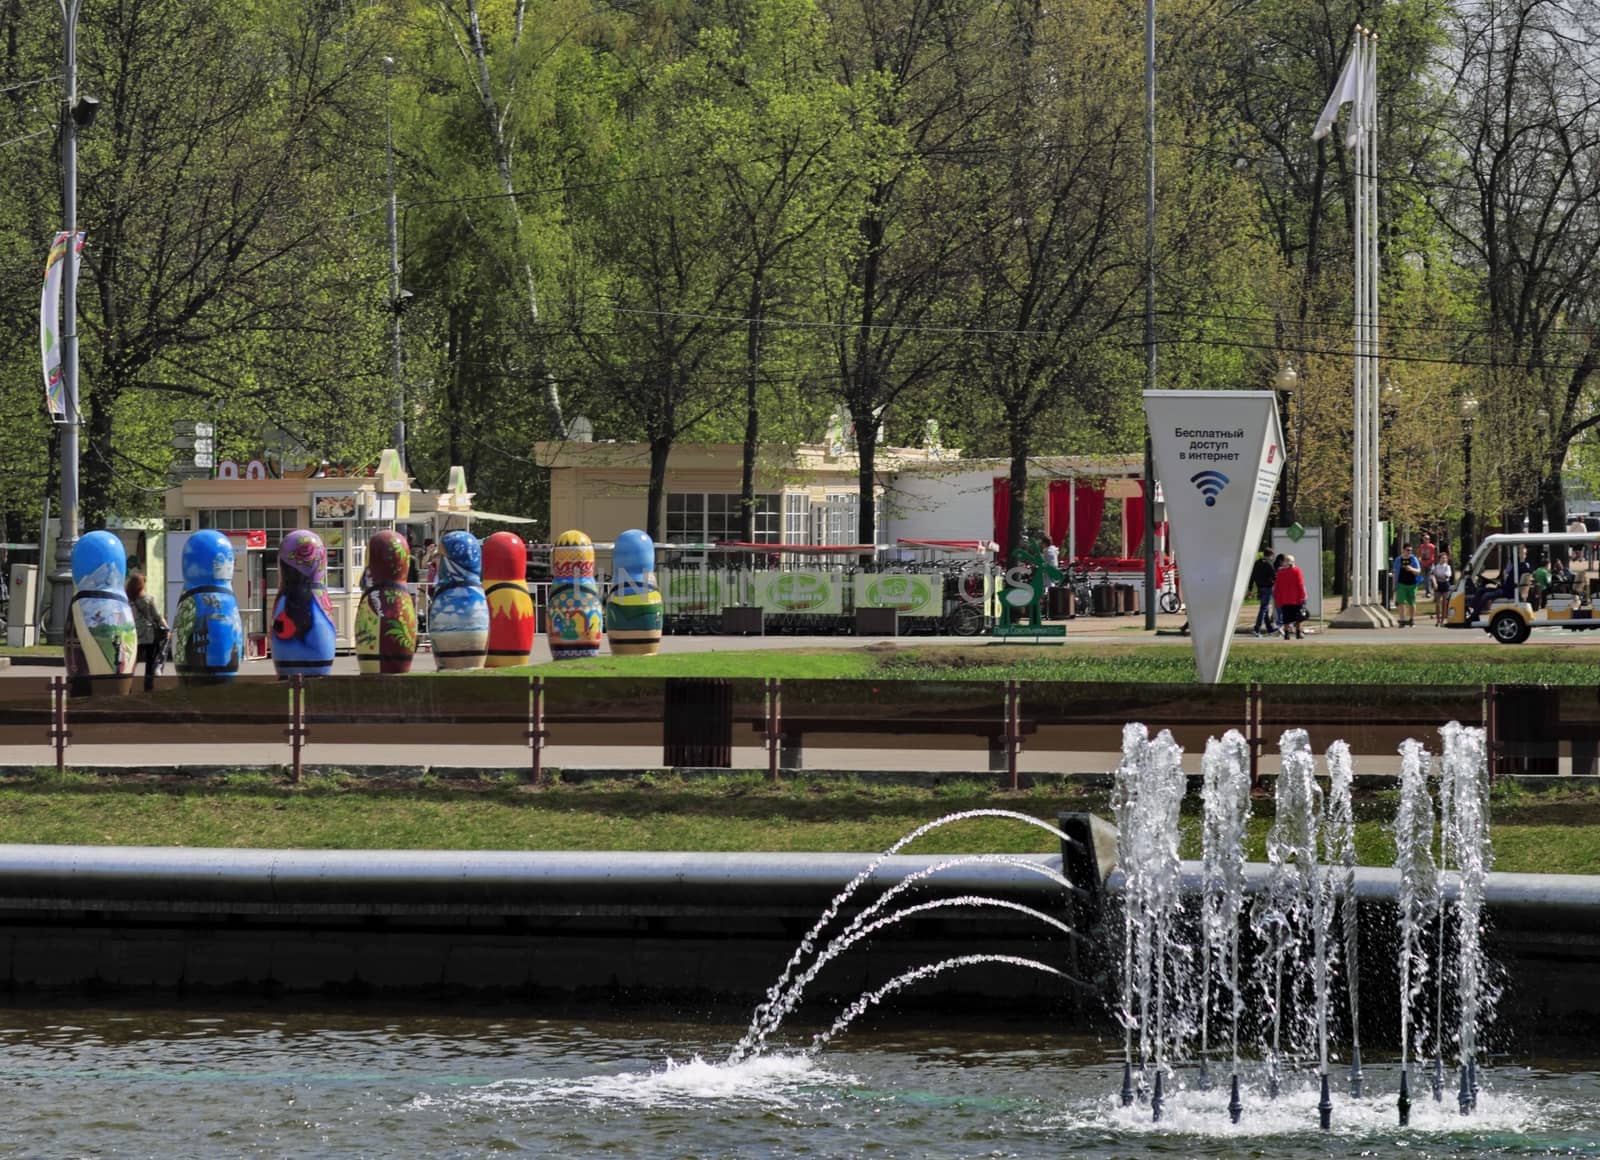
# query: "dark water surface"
266, 1082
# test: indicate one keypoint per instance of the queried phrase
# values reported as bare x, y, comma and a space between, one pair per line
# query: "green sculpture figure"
1028, 599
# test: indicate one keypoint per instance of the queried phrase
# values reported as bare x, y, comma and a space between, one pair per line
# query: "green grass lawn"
1554, 833
1568, 662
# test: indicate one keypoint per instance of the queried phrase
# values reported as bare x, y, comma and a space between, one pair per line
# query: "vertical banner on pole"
1218, 455
55, 398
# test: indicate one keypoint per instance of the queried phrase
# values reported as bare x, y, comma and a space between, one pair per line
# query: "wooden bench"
793, 729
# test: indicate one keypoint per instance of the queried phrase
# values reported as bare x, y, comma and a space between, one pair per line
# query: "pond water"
261, 1081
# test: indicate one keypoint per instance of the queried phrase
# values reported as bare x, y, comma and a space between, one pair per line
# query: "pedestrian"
150, 628
1289, 593
1427, 554
1407, 572
1517, 575
1442, 576
1262, 577
1052, 554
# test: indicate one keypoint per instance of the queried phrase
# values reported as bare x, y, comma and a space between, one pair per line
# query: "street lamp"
76, 113
1286, 382
1467, 407
397, 297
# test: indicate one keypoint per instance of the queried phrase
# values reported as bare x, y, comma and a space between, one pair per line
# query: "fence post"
536, 730
296, 732
774, 733
1491, 731
60, 734
1252, 718
1013, 723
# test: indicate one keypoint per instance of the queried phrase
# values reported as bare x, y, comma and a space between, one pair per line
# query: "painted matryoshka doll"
633, 611
303, 636
458, 617
207, 633
100, 644
575, 612
505, 568
386, 621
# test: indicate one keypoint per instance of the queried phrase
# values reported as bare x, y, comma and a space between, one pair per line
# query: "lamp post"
1389, 399
76, 114
1286, 382
1149, 305
1468, 409
397, 296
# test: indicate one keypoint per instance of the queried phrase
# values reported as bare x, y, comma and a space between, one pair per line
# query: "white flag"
49, 320
1351, 83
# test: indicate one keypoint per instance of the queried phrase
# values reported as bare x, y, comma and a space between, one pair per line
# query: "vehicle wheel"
1508, 628
1169, 602
967, 621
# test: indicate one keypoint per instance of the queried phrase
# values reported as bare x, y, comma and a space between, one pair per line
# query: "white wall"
939, 505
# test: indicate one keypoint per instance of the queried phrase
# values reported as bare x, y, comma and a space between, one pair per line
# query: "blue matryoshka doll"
100, 644
633, 610
458, 616
207, 634
303, 636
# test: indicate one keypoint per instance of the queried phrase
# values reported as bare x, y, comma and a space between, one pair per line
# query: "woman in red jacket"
1289, 594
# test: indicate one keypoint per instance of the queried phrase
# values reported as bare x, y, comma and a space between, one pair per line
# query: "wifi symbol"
1210, 484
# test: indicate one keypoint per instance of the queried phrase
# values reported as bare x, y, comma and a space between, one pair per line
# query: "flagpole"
67, 536
1380, 550
1368, 555
1361, 581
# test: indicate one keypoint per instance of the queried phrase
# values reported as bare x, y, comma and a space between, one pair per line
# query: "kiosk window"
276, 522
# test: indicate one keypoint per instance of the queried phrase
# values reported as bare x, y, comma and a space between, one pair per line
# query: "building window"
841, 522
796, 518
699, 517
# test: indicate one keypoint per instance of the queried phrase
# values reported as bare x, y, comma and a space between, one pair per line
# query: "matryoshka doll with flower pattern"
303, 636
576, 614
386, 620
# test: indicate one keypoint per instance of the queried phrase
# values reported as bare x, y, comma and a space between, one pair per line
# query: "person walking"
1289, 593
1427, 556
1442, 576
1262, 577
1407, 573
149, 626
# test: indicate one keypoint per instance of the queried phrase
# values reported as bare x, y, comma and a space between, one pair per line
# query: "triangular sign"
1218, 456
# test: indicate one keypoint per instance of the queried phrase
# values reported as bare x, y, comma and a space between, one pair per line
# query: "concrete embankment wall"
644, 927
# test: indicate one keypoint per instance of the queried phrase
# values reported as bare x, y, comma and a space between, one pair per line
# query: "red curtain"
1133, 525
1002, 512
1088, 497
1089, 510
1057, 511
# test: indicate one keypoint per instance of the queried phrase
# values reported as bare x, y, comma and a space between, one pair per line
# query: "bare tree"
1526, 215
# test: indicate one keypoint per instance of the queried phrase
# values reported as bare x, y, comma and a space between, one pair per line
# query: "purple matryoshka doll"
458, 617
99, 643
303, 636
633, 611
575, 611
207, 634
386, 621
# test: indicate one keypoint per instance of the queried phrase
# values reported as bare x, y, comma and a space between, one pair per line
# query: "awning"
497, 518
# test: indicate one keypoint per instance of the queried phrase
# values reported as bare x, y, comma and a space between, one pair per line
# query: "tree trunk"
866, 478
1019, 494
752, 417
96, 467
660, 449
